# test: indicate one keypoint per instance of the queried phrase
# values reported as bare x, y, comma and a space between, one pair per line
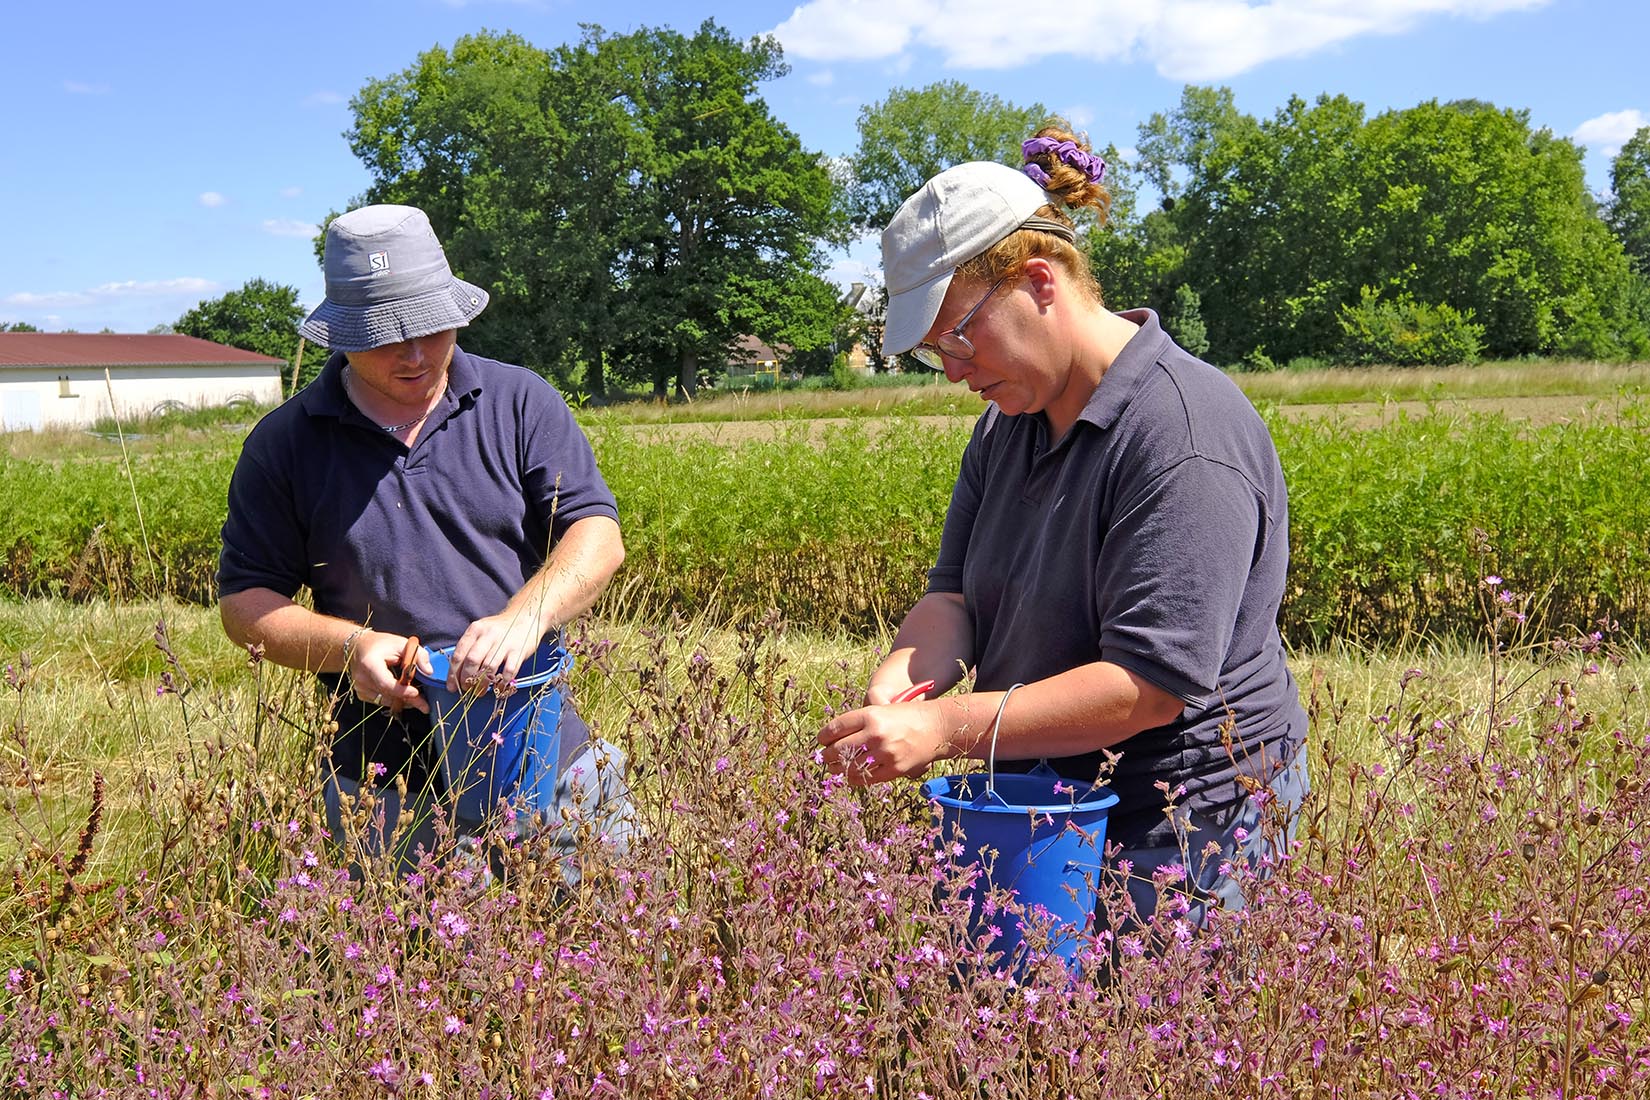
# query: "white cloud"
821, 79
291, 192
323, 99
110, 292
211, 198
290, 227
80, 87
1192, 40
1606, 134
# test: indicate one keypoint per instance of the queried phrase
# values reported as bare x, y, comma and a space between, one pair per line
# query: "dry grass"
92, 704
1336, 385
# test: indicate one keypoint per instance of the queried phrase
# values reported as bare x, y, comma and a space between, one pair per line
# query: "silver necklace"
388, 429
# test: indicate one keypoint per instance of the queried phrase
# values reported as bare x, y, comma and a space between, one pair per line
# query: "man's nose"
955, 369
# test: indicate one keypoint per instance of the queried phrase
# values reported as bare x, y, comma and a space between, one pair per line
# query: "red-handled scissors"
915, 691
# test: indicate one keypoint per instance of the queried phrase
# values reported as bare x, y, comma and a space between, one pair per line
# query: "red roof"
104, 349
747, 349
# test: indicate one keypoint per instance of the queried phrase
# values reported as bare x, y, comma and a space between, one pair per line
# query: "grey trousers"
591, 789
1245, 840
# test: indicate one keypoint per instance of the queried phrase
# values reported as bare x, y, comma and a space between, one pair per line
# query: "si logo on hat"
378, 261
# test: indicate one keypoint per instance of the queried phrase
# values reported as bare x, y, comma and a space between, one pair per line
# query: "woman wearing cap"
1116, 545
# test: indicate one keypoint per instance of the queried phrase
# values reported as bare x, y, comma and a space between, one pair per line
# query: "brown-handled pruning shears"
409, 665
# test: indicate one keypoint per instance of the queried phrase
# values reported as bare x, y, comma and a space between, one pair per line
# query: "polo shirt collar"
1131, 367
326, 397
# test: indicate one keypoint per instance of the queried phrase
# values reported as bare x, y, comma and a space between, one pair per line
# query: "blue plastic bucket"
499, 746
1049, 846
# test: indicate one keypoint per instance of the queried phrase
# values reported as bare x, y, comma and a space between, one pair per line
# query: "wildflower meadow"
1464, 913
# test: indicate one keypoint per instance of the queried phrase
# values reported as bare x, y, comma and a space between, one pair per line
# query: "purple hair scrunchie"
1089, 164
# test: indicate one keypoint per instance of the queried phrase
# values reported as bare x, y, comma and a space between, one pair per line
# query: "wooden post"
297, 362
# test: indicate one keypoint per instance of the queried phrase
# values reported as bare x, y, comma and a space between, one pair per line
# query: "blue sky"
158, 154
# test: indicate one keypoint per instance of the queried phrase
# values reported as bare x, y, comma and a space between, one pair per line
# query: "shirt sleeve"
559, 466
263, 540
1172, 574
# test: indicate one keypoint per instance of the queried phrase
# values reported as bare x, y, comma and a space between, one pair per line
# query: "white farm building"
64, 380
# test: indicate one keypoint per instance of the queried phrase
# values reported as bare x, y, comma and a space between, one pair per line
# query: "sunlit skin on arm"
1094, 706
578, 569
296, 637
935, 642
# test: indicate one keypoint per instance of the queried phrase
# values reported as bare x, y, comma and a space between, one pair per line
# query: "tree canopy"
633, 207
629, 201
1301, 231
261, 316
916, 133
1630, 199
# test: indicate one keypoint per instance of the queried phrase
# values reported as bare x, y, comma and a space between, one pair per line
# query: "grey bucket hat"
387, 281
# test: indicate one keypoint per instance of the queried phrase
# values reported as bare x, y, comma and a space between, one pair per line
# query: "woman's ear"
1041, 275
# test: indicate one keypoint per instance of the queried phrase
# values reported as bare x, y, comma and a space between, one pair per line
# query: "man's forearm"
291, 635
573, 577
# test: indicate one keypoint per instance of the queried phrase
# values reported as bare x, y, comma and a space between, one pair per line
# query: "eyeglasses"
952, 343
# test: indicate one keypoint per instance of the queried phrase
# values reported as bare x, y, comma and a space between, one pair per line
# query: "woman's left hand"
878, 743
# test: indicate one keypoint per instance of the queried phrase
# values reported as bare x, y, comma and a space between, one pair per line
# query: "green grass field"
919, 394
1468, 901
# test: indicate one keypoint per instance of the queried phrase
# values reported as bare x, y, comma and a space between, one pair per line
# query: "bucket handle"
991, 755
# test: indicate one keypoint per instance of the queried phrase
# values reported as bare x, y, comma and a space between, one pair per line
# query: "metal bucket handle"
990, 796
1041, 768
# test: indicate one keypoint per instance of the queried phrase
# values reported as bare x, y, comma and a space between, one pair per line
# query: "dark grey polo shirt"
1154, 536
416, 541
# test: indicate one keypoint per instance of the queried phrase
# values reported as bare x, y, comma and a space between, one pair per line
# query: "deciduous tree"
1460, 206
620, 198
261, 316
915, 133
1630, 199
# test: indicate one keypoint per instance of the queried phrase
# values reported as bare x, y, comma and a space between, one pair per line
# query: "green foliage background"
1391, 527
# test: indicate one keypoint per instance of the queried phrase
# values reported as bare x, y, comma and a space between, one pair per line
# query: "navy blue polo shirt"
421, 540
1153, 536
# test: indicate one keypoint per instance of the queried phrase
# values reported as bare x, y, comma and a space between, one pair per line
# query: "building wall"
77, 397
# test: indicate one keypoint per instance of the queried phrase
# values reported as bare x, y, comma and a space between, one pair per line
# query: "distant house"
57, 379
863, 302
752, 359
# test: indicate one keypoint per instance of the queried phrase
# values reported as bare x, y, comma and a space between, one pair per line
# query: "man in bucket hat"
415, 490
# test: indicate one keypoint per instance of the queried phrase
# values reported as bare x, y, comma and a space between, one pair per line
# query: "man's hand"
878, 743
375, 670
494, 647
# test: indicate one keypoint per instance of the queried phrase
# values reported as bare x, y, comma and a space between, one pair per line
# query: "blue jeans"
1254, 832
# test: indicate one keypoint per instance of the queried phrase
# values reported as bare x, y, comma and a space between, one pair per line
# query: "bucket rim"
441, 660
1096, 797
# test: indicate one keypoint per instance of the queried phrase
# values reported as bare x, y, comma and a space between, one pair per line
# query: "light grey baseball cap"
387, 281
954, 217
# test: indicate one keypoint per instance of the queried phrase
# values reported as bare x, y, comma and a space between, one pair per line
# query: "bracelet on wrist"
349, 644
